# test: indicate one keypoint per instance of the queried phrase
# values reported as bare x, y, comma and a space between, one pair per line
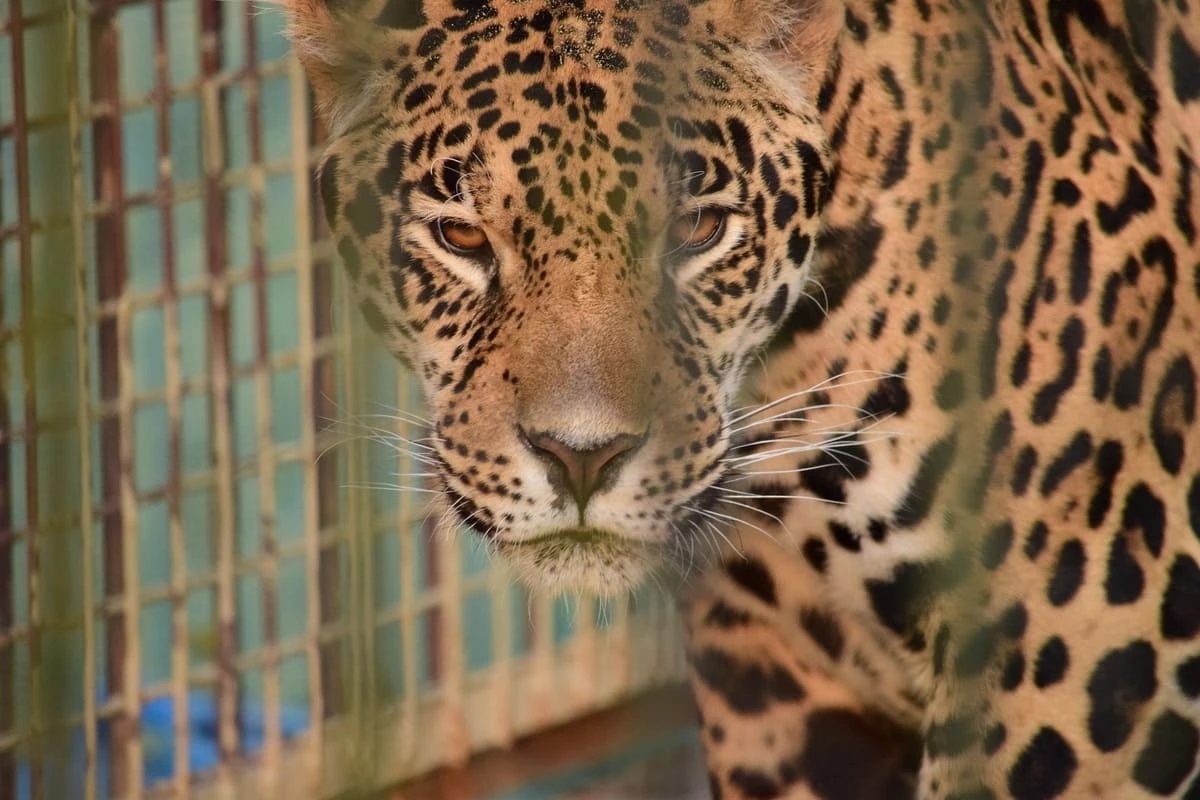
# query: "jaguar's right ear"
344, 46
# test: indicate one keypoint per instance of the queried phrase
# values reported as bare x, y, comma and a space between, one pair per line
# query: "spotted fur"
956, 279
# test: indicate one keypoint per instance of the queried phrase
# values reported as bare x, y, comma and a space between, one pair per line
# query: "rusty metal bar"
222, 388
111, 277
8, 767
8, 771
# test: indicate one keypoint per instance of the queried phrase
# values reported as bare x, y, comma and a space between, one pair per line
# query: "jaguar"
875, 323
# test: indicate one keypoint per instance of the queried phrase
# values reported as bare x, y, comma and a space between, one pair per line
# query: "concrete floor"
673, 774
645, 749
668, 770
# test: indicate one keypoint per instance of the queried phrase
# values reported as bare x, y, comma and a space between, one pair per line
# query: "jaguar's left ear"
342, 45
807, 29
798, 36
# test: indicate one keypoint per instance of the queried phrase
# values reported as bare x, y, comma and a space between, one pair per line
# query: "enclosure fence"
209, 582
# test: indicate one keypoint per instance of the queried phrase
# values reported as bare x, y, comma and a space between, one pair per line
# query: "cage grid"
209, 584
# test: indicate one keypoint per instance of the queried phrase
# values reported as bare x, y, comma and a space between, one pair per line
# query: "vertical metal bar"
170, 306
106, 52
501, 714
453, 678
83, 409
302, 179
221, 387
324, 388
357, 532
546, 701
29, 370
8, 771
111, 253
411, 527
434, 632
272, 741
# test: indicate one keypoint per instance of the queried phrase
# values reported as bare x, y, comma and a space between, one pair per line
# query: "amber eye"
696, 231
461, 238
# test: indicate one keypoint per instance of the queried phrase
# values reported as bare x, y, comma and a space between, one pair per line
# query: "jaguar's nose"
582, 471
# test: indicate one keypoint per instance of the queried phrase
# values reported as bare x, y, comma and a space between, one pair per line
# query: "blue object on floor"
158, 742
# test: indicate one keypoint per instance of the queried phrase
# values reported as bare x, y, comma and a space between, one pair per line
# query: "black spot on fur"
1145, 512
1045, 767
1169, 754
1188, 677
897, 158
1174, 412
1141, 17
1125, 581
889, 397
1179, 617
1078, 451
1051, 664
1081, 263
723, 615
1068, 573
1070, 342
832, 733
1185, 68
1137, 199
1035, 542
900, 601
754, 783
825, 630
1109, 458
753, 576
816, 554
918, 501
996, 545
1023, 469
1031, 180
1124, 679
364, 212
747, 688
1194, 505
951, 390
846, 255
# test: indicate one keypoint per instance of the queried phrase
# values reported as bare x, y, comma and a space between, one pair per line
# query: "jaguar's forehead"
631, 62
574, 28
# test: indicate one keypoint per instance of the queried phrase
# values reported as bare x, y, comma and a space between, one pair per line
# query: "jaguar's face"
577, 223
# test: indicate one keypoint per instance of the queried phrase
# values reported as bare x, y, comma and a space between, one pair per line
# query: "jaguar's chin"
582, 559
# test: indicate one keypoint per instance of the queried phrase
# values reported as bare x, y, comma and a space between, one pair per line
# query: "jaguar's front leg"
776, 723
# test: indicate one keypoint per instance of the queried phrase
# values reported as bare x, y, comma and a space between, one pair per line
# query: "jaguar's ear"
804, 29
344, 46
796, 35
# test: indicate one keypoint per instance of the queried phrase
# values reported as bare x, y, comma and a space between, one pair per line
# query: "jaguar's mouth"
586, 536
591, 559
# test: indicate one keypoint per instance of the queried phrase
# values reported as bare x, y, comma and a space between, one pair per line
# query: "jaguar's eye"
461, 238
696, 231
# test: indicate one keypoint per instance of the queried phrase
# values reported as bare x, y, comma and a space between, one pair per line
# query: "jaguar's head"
577, 221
